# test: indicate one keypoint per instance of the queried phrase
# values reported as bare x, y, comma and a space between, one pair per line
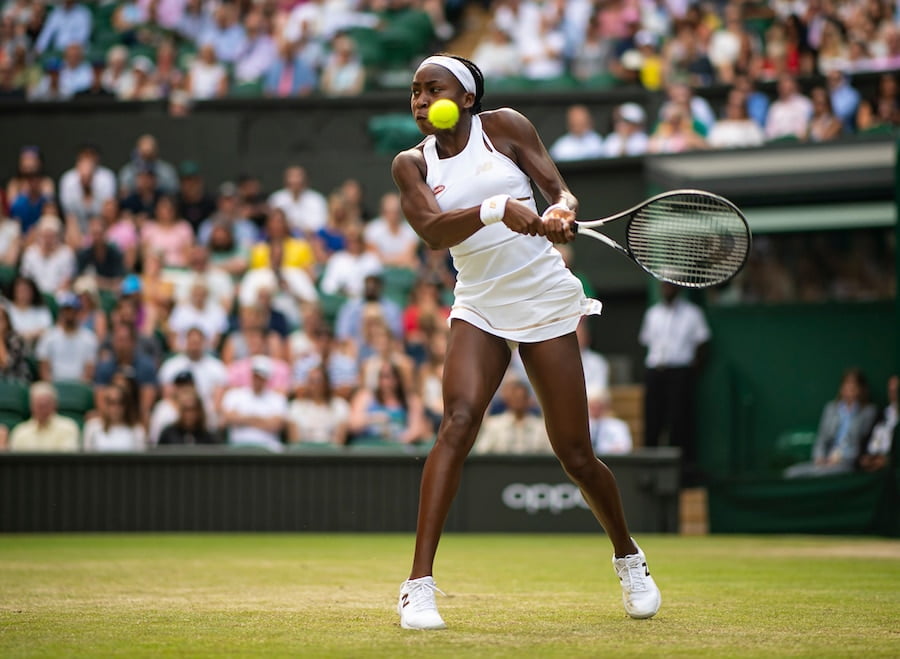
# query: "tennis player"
469, 188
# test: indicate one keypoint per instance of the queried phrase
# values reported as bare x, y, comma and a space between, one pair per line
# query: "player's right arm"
441, 229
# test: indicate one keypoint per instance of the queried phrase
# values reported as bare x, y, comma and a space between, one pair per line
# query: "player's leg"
473, 368
475, 364
562, 395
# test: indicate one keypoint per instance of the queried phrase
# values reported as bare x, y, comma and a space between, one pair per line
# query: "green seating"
398, 282
13, 403
393, 132
7, 274
792, 447
74, 400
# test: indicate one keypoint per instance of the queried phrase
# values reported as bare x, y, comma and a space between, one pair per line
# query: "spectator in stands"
789, 114
343, 73
220, 283
289, 74
338, 358
735, 129
86, 187
30, 164
581, 141
49, 261
255, 415
239, 371
243, 232
609, 435
346, 271
30, 201
844, 99
195, 204
28, 314
296, 253
45, 431
142, 202
424, 314
306, 209
117, 76
675, 133
300, 343
169, 235
380, 347
832, 52
517, 430
100, 258
596, 367
97, 91
428, 377
542, 52
91, 315
145, 87
496, 54
386, 412
200, 311
627, 137
349, 321
225, 251
190, 426
730, 47
876, 453
697, 108
76, 74
225, 34
13, 352
10, 240
844, 426
47, 87
757, 101
285, 287
258, 52
69, 23
117, 428
124, 353
676, 335
317, 415
252, 317
208, 374
146, 153
165, 410
167, 77
390, 236
206, 78
882, 111
330, 238
824, 125
67, 351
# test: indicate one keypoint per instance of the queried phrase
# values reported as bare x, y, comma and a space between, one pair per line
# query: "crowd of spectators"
198, 316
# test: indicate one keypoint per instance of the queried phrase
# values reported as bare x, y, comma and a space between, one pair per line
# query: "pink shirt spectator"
240, 374
172, 241
168, 12
123, 234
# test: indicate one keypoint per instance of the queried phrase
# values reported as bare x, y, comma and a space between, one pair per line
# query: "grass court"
509, 595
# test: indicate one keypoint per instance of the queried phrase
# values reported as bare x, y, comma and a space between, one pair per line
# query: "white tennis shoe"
639, 591
417, 607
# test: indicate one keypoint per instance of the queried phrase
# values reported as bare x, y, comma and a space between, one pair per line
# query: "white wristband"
493, 209
554, 207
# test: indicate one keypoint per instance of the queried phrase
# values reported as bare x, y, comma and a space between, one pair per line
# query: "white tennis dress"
508, 284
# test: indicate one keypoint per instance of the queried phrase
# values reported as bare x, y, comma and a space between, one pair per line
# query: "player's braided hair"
479, 81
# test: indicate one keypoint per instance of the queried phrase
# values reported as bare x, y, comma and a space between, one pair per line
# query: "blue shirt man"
69, 23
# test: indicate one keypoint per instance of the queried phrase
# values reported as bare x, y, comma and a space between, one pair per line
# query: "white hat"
632, 113
261, 365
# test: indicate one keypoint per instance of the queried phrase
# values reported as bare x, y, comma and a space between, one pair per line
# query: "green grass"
510, 595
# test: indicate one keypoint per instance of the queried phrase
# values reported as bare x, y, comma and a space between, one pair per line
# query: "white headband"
459, 70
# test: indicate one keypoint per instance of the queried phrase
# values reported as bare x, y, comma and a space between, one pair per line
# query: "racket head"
690, 238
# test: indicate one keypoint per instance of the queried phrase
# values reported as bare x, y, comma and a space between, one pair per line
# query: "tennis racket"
689, 238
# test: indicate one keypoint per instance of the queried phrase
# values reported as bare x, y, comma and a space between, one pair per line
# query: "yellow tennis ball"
443, 114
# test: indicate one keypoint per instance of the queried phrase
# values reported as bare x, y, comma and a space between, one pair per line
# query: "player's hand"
521, 219
559, 224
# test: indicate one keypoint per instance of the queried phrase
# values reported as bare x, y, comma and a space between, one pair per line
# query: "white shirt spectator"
219, 283
789, 117
504, 433
29, 320
67, 353
672, 333
66, 25
118, 438
49, 271
345, 273
616, 145
316, 423
211, 320
596, 369
388, 244
244, 401
577, 147
75, 79
209, 373
206, 79
71, 193
256, 57
306, 212
729, 133
610, 436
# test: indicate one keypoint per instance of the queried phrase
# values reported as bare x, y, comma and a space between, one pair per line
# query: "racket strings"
689, 239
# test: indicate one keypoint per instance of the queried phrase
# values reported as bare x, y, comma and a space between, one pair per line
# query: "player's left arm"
515, 135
